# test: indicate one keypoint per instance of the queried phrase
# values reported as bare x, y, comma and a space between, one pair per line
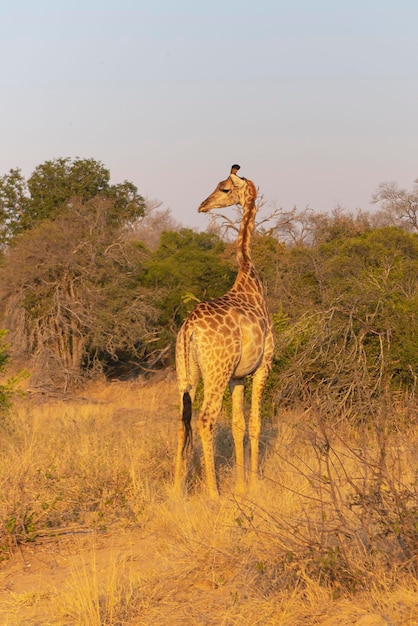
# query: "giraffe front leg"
238, 431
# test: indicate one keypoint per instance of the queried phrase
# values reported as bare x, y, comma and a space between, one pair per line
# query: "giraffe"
223, 341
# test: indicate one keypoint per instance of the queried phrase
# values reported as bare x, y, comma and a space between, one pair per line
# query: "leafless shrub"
399, 207
155, 220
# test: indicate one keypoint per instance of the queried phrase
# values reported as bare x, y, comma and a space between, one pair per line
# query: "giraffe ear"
237, 181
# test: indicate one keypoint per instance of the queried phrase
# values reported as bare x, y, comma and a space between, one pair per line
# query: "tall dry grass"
328, 535
86, 462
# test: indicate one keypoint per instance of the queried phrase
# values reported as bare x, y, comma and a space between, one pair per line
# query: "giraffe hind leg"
186, 418
187, 378
206, 422
184, 441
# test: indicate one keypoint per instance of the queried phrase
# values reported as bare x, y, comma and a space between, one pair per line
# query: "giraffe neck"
247, 279
246, 229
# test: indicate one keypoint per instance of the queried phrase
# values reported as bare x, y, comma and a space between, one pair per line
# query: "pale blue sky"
316, 99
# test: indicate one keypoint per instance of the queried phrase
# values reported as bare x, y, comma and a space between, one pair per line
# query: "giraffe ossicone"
222, 341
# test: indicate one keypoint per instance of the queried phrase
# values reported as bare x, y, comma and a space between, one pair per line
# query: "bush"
352, 332
9, 387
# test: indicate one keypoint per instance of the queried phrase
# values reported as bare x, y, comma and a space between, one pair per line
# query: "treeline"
93, 279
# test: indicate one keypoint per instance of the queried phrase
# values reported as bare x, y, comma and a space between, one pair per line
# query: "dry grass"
328, 536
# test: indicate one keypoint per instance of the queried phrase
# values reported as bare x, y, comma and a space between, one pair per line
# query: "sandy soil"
32, 581
36, 574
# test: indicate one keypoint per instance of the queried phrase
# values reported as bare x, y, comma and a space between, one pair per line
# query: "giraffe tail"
187, 421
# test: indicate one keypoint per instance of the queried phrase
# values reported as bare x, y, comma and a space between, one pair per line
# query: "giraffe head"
231, 191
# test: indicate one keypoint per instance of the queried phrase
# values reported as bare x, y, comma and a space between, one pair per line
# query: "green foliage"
353, 329
187, 267
373, 278
267, 254
13, 203
54, 185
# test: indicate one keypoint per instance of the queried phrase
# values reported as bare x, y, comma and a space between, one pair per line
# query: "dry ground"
92, 534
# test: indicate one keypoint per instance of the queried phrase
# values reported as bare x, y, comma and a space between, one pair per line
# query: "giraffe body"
223, 341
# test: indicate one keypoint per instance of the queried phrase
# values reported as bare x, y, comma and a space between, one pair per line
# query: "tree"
54, 185
13, 203
151, 226
310, 228
75, 301
186, 267
69, 285
399, 207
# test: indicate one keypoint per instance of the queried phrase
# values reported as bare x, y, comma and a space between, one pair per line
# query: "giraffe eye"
225, 190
